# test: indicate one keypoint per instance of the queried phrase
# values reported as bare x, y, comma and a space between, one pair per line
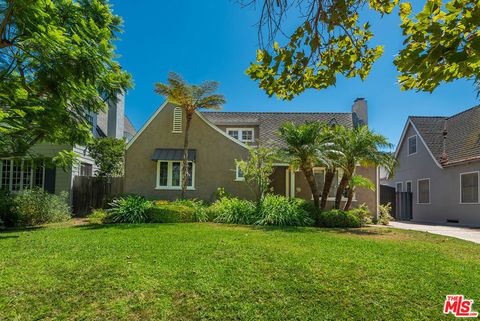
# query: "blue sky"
216, 40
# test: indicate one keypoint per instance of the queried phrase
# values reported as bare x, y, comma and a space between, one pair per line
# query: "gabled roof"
269, 122
462, 142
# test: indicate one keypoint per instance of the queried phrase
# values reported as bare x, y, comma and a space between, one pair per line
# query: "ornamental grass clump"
129, 209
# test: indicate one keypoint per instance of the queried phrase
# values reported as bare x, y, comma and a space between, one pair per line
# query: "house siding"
214, 166
63, 178
444, 185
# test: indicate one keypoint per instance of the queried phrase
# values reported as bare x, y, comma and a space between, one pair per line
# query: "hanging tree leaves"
441, 45
57, 68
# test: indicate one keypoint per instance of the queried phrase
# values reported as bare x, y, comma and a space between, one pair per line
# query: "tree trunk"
351, 191
185, 155
341, 189
308, 172
329, 175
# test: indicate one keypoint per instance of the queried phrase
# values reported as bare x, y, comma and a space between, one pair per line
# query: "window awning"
173, 154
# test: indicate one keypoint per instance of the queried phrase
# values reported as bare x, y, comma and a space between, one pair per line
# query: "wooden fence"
94, 192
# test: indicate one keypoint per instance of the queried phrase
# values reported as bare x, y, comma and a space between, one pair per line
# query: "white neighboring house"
439, 163
17, 174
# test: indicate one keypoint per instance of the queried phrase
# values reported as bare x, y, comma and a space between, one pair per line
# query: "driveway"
464, 233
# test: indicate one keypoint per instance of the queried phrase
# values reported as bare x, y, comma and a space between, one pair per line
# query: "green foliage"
307, 145
108, 154
171, 213
200, 213
363, 213
98, 216
385, 217
57, 61
7, 215
129, 209
190, 98
279, 210
258, 169
332, 38
234, 211
35, 206
339, 218
442, 44
221, 193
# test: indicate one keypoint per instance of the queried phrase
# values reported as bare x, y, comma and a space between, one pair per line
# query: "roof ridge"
275, 112
462, 112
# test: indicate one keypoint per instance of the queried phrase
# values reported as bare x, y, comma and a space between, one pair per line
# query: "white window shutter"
177, 120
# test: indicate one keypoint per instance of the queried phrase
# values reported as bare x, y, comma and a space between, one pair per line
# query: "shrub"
35, 206
171, 213
129, 209
307, 206
221, 193
384, 217
200, 213
7, 216
98, 216
338, 218
233, 211
363, 213
279, 210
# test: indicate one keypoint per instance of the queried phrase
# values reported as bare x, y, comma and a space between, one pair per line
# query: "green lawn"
221, 272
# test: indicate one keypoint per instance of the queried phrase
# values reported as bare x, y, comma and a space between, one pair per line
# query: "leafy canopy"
442, 44
57, 68
108, 154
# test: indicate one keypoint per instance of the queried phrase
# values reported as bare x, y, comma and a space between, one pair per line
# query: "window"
17, 174
319, 174
242, 134
86, 169
239, 174
399, 187
469, 188
409, 186
169, 175
177, 120
412, 145
423, 188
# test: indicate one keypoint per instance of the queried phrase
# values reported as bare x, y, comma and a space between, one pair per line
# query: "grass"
220, 272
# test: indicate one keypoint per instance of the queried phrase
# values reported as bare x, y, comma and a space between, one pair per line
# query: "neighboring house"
217, 139
439, 163
18, 174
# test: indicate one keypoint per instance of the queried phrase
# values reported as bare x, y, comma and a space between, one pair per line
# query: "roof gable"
462, 141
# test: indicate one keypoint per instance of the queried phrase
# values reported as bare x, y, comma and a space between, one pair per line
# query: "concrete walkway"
464, 233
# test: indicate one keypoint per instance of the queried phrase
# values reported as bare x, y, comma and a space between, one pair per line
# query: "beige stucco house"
217, 140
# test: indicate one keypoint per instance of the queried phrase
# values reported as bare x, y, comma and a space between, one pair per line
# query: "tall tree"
359, 146
109, 155
331, 38
190, 98
306, 148
57, 68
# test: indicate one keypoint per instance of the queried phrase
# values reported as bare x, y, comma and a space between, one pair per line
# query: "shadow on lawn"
10, 230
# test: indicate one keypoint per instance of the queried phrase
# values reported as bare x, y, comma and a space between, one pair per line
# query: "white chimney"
360, 112
116, 114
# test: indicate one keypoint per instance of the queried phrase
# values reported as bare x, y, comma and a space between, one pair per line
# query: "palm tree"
359, 146
305, 148
191, 98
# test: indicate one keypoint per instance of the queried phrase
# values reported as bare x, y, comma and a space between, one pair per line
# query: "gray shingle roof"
269, 122
463, 135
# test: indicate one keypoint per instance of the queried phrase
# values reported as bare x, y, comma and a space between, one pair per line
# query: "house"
439, 163
18, 174
217, 139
